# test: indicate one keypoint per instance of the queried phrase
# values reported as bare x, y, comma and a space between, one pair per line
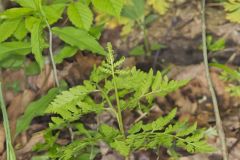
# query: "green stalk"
10, 150
119, 112
146, 41
141, 24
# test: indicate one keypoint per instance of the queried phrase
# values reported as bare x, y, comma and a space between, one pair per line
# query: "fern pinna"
118, 89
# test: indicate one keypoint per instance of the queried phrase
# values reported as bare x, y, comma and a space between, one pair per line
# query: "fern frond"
163, 132
71, 104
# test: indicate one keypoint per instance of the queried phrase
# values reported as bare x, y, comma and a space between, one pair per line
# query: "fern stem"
211, 88
119, 111
10, 150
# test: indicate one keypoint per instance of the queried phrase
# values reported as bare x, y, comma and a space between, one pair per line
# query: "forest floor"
180, 31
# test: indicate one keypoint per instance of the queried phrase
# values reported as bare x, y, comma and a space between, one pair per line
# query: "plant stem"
50, 47
141, 24
51, 53
119, 111
10, 150
146, 41
211, 88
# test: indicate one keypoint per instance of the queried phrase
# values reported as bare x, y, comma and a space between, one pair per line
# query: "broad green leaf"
26, 3
112, 7
14, 48
59, 1
137, 51
16, 13
161, 6
7, 28
37, 42
135, 10
79, 38
80, 15
53, 12
156, 46
21, 31
36, 108
38, 5
66, 52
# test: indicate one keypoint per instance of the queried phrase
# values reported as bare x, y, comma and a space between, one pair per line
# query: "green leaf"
14, 48
137, 51
156, 46
53, 12
37, 42
66, 52
135, 10
7, 28
135, 128
79, 38
80, 15
16, 13
112, 7
121, 147
26, 3
187, 131
21, 31
108, 132
36, 108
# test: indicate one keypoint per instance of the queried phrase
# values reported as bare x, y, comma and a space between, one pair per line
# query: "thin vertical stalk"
119, 112
211, 88
51, 53
50, 46
146, 41
10, 150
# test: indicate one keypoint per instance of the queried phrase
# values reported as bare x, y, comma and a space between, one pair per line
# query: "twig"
10, 150
210, 84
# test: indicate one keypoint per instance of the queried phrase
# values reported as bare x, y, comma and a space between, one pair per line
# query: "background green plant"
23, 29
231, 76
